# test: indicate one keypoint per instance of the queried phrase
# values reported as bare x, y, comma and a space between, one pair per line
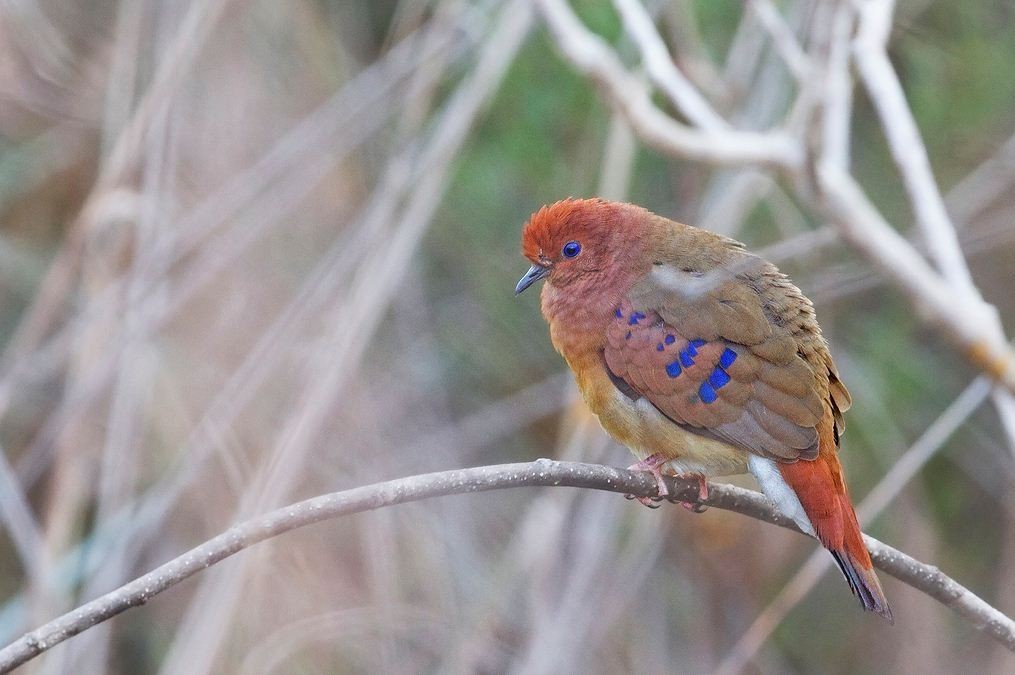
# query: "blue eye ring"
571, 249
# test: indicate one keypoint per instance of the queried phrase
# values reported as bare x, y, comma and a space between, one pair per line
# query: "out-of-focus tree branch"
543, 472
590, 54
867, 231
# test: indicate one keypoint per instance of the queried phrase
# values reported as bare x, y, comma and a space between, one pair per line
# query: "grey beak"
535, 273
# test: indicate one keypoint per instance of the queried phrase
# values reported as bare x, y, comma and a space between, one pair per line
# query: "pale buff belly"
646, 431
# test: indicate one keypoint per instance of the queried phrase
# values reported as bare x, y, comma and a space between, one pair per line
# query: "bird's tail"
855, 563
821, 489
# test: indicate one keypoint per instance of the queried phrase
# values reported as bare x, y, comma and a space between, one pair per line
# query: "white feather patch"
775, 487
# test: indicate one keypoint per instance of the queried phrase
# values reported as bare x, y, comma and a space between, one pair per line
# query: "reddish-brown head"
578, 240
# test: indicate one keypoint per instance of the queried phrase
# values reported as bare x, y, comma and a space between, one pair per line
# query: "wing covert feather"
720, 356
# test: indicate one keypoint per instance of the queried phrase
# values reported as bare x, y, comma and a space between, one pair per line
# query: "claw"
652, 464
651, 502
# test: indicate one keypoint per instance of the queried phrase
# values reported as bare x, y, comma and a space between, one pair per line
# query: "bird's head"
574, 240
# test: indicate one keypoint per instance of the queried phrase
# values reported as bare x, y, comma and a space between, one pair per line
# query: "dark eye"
571, 249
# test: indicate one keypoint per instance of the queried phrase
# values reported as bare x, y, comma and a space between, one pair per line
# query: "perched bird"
703, 359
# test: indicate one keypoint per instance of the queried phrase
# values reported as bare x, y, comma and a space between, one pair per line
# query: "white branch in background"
910, 155
785, 43
837, 86
906, 145
662, 71
863, 226
593, 57
543, 472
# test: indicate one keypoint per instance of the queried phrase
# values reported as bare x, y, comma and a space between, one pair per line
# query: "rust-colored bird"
703, 359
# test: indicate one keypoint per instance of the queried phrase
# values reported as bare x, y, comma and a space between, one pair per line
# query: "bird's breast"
640, 426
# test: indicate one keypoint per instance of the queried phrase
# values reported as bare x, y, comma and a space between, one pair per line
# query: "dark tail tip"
864, 584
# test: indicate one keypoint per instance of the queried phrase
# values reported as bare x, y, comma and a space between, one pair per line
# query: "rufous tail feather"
820, 486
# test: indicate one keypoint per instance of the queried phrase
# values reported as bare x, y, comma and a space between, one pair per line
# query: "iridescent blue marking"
686, 359
706, 392
659, 347
727, 358
691, 350
673, 369
628, 336
698, 342
719, 378
670, 339
633, 321
618, 313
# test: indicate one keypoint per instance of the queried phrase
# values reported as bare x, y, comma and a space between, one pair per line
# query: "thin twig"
866, 230
593, 57
783, 40
905, 143
542, 472
662, 71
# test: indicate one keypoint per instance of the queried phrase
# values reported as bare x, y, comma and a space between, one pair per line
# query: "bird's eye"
571, 249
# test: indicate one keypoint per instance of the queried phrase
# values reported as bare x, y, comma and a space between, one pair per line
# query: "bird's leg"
652, 464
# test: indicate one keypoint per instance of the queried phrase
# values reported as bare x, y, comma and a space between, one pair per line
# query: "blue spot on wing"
698, 343
633, 321
706, 392
670, 339
686, 359
673, 369
659, 347
719, 378
618, 313
727, 358
628, 336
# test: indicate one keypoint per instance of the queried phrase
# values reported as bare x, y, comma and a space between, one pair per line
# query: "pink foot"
652, 464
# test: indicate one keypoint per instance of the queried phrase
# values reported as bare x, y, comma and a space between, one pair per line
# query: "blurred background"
256, 251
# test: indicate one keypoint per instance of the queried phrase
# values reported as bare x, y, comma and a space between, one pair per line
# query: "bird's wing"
734, 354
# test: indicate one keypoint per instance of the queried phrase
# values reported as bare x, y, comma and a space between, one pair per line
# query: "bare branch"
783, 40
593, 57
543, 472
910, 155
866, 230
905, 143
661, 69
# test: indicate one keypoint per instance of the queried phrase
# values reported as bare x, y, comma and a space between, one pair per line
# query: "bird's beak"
535, 273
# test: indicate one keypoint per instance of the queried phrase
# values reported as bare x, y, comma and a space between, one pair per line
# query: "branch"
661, 69
906, 145
967, 324
543, 472
593, 57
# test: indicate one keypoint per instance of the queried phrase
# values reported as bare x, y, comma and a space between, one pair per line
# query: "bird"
702, 358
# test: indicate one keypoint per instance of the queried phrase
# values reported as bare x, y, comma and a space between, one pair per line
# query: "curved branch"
542, 472
593, 57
